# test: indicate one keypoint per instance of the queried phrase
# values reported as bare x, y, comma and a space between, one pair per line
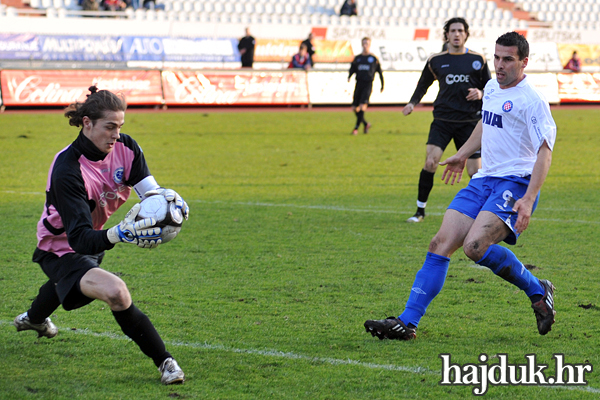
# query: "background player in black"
365, 65
246, 48
462, 75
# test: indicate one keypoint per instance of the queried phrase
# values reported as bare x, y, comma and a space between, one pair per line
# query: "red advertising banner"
578, 87
235, 87
60, 88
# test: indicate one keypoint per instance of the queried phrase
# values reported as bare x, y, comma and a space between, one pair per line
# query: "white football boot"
171, 373
46, 328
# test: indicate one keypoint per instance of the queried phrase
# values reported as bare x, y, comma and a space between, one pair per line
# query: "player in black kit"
365, 65
462, 75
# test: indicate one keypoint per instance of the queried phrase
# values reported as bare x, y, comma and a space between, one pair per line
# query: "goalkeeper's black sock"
44, 304
138, 327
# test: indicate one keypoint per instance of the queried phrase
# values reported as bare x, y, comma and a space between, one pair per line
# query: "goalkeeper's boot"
390, 328
171, 372
367, 127
46, 328
544, 309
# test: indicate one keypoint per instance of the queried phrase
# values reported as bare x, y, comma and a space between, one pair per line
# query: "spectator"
246, 48
574, 63
310, 48
113, 5
151, 5
90, 5
302, 59
349, 8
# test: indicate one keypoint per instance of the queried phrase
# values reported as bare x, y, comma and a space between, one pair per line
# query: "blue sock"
507, 266
428, 283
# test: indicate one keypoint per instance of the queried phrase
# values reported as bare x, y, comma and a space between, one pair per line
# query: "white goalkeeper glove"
142, 233
171, 195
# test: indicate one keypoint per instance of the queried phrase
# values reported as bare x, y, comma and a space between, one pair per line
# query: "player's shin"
428, 284
507, 266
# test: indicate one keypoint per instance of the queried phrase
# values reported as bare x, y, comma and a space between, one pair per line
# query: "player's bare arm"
455, 165
524, 205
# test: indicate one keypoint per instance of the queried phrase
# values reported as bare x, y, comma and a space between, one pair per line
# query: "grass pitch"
296, 237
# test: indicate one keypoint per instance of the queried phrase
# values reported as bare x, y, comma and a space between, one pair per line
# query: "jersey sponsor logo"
507, 106
118, 175
489, 118
476, 65
451, 78
364, 67
105, 197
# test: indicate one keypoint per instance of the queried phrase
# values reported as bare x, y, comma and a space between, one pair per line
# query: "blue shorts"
496, 195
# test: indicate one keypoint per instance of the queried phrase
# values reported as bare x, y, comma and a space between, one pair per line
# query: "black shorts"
66, 273
362, 93
442, 132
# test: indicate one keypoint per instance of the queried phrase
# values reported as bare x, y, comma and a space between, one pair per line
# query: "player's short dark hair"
365, 38
455, 20
94, 107
511, 39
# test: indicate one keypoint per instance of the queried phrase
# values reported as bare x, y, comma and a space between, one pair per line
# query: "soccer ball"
166, 213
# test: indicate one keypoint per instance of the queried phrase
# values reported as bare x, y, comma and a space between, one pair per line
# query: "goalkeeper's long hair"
97, 103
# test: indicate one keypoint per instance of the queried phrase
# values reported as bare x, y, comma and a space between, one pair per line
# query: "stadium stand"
371, 12
326, 12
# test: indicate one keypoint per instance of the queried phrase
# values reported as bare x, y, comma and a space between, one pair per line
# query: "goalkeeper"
88, 181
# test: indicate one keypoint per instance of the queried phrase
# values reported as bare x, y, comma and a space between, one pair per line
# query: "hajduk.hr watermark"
482, 375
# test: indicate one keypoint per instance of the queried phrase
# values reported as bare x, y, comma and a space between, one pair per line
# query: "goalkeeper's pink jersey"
85, 187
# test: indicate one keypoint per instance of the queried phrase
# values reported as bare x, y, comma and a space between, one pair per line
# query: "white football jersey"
516, 122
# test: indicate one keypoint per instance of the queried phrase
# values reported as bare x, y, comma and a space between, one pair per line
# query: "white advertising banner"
412, 55
334, 88
547, 84
398, 55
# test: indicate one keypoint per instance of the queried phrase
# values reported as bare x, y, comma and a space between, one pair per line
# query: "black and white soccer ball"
168, 216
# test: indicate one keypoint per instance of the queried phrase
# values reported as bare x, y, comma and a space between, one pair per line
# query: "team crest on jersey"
118, 175
370, 59
476, 65
507, 106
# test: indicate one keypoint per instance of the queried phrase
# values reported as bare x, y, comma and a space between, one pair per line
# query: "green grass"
296, 236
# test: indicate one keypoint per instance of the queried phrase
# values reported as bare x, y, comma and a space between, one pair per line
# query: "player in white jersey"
516, 136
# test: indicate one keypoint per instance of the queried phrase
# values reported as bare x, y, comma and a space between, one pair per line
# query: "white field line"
266, 353
359, 210
372, 210
290, 356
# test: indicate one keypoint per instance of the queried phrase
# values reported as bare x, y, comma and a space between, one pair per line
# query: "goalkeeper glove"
171, 195
141, 233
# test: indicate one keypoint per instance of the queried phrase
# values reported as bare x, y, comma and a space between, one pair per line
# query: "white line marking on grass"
344, 209
267, 353
290, 356
371, 210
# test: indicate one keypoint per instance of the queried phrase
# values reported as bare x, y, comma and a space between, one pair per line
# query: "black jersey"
365, 68
455, 73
